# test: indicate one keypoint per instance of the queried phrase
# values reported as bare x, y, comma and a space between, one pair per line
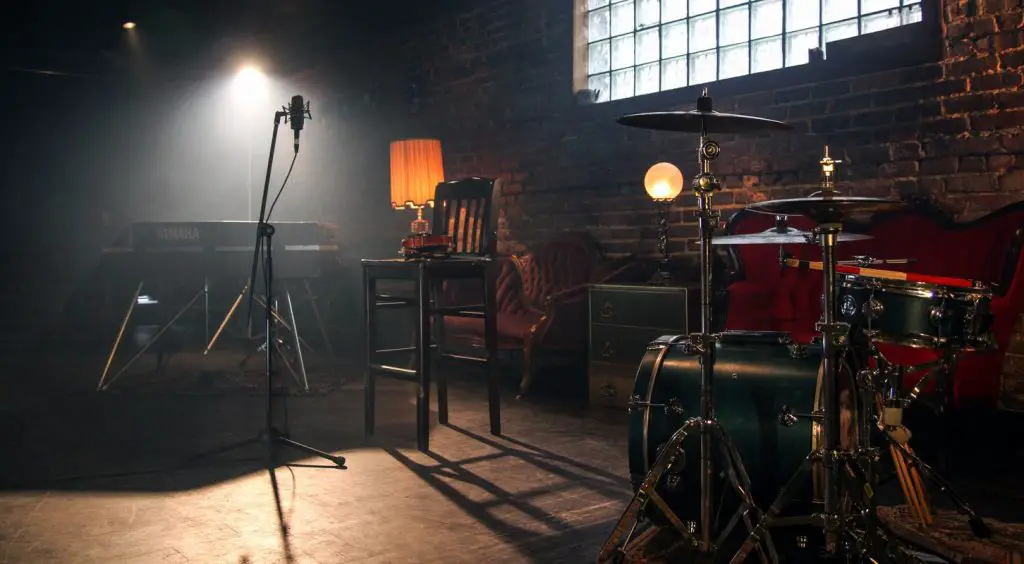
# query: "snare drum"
918, 314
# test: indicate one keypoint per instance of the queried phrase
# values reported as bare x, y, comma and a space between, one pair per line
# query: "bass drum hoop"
851, 434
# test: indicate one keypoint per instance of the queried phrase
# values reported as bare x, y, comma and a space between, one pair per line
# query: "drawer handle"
607, 311
608, 391
607, 350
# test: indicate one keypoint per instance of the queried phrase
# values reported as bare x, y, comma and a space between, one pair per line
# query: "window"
639, 47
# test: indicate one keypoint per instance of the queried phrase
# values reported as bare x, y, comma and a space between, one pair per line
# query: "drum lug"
849, 307
937, 314
873, 309
797, 350
671, 407
787, 418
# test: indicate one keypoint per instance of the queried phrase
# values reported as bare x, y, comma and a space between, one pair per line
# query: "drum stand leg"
619, 541
705, 184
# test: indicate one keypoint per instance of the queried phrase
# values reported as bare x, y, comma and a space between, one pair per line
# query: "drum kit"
808, 417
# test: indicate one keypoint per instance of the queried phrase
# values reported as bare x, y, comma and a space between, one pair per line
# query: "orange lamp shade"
663, 182
416, 170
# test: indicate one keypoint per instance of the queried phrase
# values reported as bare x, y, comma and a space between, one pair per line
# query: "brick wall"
494, 82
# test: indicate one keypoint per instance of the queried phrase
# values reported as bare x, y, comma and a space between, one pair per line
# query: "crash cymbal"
828, 209
775, 237
696, 121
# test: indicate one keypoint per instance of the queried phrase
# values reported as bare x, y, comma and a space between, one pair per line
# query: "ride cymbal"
775, 237
696, 121
828, 209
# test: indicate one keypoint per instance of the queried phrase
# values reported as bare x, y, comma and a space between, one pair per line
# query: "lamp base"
419, 226
663, 276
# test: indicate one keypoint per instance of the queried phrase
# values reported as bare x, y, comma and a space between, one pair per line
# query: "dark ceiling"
86, 36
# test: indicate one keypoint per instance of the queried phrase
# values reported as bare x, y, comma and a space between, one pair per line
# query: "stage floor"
90, 477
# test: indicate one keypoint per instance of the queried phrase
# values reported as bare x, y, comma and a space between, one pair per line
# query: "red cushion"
512, 327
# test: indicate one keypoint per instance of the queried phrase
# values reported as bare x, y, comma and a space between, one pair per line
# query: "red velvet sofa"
760, 294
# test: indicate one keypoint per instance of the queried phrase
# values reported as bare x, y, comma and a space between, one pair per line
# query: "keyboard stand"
104, 384
290, 325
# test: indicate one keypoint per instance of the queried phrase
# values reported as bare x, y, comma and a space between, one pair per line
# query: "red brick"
1000, 163
997, 120
1012, 182
942, 165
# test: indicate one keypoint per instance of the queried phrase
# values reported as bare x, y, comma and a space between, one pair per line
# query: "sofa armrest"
1013, 265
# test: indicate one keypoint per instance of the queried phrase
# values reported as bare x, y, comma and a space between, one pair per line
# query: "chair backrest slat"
464, 210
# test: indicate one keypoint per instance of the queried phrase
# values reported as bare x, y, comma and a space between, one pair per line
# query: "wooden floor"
90, 477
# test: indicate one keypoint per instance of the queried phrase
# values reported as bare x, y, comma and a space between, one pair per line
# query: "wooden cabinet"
623, 320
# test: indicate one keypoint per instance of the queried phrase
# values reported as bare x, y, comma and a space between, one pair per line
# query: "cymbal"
695, 121
824, 209
773, 236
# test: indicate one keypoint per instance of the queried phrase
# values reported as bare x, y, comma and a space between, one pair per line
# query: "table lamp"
663, 182
416, 170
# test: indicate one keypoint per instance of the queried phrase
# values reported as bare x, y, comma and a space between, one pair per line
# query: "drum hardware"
703, 121
797, 350
787, 418
846, 477
672, 407
864, 260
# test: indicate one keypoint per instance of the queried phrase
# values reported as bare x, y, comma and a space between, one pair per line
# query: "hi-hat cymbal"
695, 121
828, 209
774, 236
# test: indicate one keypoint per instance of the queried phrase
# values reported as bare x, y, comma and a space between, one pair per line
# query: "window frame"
919, 42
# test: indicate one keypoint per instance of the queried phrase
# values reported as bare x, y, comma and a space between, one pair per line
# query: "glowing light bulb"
128, 25
663, 182
250, 85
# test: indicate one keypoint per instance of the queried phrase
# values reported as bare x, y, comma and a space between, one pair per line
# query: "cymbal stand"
705, 184
844, 477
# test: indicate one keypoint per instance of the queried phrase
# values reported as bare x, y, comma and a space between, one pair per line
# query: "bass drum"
756, 375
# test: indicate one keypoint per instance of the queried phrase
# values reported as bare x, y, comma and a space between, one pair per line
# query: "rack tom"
917, 314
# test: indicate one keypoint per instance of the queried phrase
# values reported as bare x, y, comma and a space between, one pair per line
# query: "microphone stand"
270, 435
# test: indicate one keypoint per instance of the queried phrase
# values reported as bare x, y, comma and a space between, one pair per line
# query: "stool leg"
423, 361
491, 342
436, 291
370, 319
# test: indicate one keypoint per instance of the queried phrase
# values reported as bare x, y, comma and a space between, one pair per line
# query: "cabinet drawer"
643, 306
610, 384
622, 345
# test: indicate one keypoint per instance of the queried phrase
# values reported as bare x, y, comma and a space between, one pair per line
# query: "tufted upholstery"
542, 298
766, 296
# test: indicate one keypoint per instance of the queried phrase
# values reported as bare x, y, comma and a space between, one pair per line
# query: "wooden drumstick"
910, 489
879, 273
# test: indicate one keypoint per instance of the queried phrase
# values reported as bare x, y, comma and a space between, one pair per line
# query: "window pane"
838, 31
766, 54
797, 45
801, 14
647, 78
597, 24
622, 51
698, 7
673, 73
878, 22
599, 59
622, 17
647, 46
673, 39
647, 14
702, 33
835, 10
733, 61
868, 6
910, 14
766, 18
703, 67
593, 4
601, 83
622, 84
672, 10
733, 26
727, 3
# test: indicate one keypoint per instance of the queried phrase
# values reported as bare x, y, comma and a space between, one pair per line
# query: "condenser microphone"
297, 116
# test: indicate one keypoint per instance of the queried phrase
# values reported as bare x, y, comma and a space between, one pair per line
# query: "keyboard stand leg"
227, 319
322, 327
120, 335
155, 338
298, 340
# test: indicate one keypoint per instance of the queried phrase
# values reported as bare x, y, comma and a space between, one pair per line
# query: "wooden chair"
464, 210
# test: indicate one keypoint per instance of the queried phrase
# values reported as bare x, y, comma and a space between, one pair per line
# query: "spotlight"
250, 84
128, 25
